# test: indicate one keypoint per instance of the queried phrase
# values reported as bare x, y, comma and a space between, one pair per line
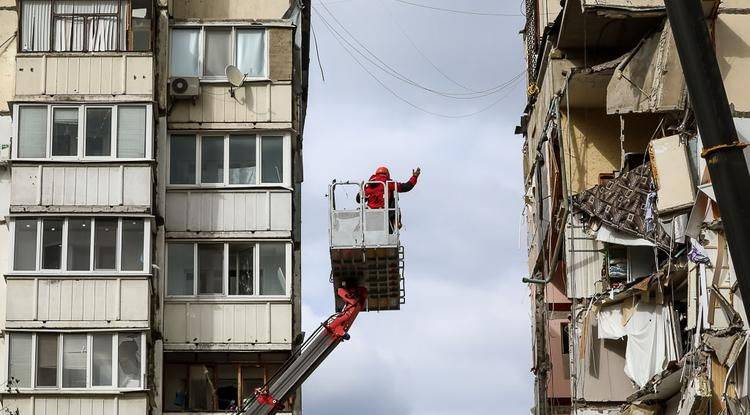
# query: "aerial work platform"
365, 245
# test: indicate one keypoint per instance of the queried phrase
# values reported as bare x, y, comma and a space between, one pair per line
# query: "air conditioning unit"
184, 87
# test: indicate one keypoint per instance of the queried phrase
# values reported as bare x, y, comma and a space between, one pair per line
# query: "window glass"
46, 359
86, 25
140, 25
19, 360
218, 53
65, 132
35, 25
251, 56
242, 159
101, 361
79, 244
131, 131
98, 131
226, 387
52, 244
184, 54
74, 361
32, 131
182, 159
129, 360
210, 261
132, 245
252, 378
273, 269
175, 387
272, 159
201, 395
24, 250
180, 269
212, 159
241, 269
105, 242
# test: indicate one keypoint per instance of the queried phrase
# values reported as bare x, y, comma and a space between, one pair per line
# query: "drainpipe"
722, 150
566, 207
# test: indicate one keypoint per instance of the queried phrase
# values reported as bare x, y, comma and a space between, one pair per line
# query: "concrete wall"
732, 34
8, 28
229, 9
592, 146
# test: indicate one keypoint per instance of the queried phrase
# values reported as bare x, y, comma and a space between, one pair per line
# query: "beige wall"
733, 52
591, 142
229, 9
8, 27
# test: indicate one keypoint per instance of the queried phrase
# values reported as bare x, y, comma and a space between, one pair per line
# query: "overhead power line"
469, 12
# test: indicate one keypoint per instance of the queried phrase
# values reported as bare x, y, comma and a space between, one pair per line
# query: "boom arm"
269, 398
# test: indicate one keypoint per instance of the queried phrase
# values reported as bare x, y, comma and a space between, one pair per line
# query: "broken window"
241, 159
74, 361
24, 255
85, 26
79, 244
129, 360
101, 360
46, 360
226, 387
273, 269
216, 48
19, 360
52, 243
97, 128
32, 132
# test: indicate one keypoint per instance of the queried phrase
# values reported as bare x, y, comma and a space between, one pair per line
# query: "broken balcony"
365, 246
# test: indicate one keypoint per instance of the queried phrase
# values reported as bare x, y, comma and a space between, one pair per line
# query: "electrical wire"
513, 82
383, 66
456, 11
317, 51
422, 54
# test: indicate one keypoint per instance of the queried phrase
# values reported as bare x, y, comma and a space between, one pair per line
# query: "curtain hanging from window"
81, 29
35, 25
251, 57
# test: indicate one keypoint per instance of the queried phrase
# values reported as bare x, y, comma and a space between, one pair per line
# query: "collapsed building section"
635, 302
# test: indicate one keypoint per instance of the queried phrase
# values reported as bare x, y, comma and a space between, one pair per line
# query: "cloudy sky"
461, 344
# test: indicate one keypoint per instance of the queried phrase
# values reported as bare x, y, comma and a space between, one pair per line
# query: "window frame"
64, 250
286, 160
233, 49
225, 272
89, 362
81, 149
127, 30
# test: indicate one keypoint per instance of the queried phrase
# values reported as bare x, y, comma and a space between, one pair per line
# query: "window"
86, 244
24, 256
240, 276
237, 166
211, 383
46, 360
76, 367
206, 51
32, 132
85, 26
19, 360
112, 131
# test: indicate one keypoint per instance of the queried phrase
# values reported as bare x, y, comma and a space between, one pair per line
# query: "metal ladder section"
296, 371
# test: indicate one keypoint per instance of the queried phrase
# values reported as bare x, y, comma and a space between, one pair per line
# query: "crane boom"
270, 398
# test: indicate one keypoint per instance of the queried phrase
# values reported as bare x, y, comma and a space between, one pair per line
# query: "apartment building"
151, 231
636, 308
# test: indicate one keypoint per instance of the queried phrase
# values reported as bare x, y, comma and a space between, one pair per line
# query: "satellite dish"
235, 76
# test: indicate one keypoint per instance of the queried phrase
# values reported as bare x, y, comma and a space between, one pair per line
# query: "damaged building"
636, 307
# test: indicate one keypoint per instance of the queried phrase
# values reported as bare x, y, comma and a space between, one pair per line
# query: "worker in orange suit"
375, 192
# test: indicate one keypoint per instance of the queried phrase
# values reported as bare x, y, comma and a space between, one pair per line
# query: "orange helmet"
383, 170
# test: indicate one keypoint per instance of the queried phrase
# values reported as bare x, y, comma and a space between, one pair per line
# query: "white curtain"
99, 32
32, 132
183, 57
36, 16
251, 52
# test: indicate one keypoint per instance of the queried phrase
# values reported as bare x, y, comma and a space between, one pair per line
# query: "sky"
461, 343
